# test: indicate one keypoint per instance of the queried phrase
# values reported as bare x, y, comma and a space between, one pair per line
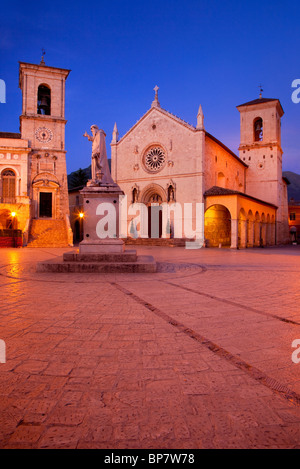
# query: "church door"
45, 204
155, 217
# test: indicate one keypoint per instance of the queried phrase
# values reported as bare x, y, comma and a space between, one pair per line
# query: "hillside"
81, 176
294, 187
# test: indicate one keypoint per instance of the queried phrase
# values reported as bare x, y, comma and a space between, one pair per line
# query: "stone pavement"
197, 355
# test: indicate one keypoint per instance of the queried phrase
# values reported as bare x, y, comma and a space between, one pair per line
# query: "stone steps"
48, 233
127, 256
127, 262
173, 242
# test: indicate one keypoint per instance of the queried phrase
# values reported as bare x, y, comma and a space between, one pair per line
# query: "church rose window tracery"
154, 159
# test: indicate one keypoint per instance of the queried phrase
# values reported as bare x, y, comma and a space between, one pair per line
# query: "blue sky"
213, 53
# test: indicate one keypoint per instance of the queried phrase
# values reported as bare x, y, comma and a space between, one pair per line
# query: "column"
234, 233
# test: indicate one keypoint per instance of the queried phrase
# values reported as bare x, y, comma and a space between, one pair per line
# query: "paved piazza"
198, 355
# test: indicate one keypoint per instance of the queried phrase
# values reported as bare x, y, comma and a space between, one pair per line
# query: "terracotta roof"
221, 191
9, 135
258, 101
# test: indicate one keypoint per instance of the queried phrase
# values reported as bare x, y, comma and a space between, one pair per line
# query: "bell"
43, 103
257, 126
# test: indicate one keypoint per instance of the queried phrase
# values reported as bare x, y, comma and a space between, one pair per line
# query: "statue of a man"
100, 169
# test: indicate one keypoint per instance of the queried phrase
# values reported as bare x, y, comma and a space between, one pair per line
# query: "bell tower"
260, 148
42, 123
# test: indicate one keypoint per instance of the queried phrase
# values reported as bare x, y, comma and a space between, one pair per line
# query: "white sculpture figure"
100, 169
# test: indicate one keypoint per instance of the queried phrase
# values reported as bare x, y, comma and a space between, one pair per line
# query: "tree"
79, 178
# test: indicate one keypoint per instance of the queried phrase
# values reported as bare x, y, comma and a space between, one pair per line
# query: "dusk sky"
213, 53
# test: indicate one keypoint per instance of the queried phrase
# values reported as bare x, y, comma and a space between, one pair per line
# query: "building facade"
164, 160
33, 162
294, 221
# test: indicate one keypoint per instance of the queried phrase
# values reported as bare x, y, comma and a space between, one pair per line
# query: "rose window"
154, 159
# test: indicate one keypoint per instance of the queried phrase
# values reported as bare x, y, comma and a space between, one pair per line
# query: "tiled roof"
221, 191
258, 101
9, 135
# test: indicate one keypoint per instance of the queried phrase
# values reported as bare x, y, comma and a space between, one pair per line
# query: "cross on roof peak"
156, 102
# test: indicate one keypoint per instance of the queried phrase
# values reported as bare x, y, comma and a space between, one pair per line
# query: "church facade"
164, 160
33, 190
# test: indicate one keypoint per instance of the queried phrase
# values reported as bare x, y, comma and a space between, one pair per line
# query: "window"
44, 100
8, 183
292, 216
258, 129
154, 159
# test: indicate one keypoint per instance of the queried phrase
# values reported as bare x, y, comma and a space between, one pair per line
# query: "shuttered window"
8, 183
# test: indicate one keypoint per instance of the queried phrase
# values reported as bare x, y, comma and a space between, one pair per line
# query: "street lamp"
13, 216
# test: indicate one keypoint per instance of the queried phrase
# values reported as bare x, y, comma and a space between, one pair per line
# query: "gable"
157, 114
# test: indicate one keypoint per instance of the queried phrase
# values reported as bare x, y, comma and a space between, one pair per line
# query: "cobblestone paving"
197, 355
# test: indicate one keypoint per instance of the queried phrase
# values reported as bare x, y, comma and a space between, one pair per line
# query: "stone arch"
258, 129
150, 191
46, 192
44, 99
217, 226
7, 221
153, 196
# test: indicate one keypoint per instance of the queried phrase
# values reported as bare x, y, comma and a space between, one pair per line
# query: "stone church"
34, 207
164, 160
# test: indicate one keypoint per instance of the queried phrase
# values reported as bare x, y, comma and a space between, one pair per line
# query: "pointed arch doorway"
153, 196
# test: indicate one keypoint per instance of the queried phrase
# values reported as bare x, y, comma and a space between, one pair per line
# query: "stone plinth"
101, 201
74, 262
99, 253
101, 246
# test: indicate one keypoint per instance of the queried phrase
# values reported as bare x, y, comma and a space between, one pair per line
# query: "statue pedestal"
102, 250
97, 253
101, 202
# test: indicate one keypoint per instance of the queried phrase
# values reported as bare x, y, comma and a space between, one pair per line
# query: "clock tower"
42, 124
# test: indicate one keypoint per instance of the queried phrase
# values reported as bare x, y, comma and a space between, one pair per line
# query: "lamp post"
81, 217
13, 216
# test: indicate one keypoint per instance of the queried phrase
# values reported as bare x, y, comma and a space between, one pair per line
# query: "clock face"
43, 135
